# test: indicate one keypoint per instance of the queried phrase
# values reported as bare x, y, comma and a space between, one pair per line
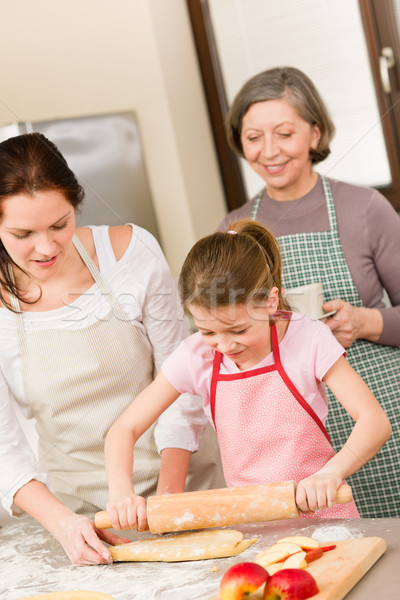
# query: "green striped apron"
318, 257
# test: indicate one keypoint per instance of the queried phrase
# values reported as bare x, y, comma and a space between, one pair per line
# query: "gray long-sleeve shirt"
369, 230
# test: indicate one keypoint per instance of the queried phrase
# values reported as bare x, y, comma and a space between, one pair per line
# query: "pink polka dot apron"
266, 430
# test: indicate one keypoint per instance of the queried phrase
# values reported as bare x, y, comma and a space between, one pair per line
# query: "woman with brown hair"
88, 315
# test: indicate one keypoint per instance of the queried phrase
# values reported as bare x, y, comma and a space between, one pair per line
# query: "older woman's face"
37, 231
276, 143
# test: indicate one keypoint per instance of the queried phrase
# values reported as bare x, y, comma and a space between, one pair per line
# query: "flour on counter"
332, 533
33, 563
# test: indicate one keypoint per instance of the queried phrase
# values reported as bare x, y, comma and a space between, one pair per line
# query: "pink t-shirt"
308, 351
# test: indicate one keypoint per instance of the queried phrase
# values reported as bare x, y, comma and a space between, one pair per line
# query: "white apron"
78, 382
266, 430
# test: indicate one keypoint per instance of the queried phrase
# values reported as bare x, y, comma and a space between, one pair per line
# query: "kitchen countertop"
32, 562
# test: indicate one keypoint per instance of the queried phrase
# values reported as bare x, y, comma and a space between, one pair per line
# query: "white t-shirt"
308, 350
142, 283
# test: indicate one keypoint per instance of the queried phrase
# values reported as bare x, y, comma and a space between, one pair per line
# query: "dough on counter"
76, 595
196, 545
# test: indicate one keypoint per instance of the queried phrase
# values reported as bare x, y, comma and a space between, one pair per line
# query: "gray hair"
300, 92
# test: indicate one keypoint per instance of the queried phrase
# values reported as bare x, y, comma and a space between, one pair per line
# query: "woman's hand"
345, 324
128, 512
352, 323
77, 534
318, 491
81, 540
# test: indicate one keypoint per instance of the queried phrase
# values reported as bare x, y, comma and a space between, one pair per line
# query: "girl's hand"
345, 324
318, 491
128, 512
81, 540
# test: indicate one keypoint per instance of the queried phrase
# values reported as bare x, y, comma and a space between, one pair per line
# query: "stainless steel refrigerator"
105, 153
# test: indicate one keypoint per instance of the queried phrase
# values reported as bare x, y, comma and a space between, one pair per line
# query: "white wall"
80, 57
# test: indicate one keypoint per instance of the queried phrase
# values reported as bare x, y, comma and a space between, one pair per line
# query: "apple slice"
289, 547
276, 553
242, 579
306, 543
274, 568
313, 554
328, 548
295, 561
269, 558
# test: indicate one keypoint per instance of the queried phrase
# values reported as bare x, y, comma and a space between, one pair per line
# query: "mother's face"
37, 231
276, 143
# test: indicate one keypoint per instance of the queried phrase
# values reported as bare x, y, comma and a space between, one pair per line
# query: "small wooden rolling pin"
225, 506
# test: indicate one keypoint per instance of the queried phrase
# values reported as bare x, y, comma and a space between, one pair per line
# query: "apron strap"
87, 259
291, 386
289, 383
18, 314
254, 211
275, 346
94, 271
214, 381
329, 204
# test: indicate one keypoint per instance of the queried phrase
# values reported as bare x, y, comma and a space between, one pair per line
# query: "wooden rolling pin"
225, 506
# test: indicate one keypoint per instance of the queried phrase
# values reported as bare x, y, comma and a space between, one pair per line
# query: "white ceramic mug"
308, 300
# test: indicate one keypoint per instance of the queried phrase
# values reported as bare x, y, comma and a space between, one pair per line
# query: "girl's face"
37, 231
239, 331
276, 143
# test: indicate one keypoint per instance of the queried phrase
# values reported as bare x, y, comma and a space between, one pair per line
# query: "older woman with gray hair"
345, 236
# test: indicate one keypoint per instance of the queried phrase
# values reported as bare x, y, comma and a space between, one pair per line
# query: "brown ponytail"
233, 267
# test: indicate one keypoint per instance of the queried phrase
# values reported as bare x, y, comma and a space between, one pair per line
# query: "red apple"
242, 579
313, 554
290, 584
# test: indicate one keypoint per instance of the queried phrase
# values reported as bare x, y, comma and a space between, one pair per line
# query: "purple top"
369, 230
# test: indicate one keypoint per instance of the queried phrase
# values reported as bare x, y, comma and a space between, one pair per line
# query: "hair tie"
232, 232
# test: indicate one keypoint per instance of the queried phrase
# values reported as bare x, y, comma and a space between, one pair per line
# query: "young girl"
261, 371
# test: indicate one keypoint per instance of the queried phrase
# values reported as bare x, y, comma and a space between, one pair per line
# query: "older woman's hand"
352, 323
345, 324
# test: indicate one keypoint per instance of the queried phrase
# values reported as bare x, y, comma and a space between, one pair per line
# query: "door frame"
214, 87
379, 23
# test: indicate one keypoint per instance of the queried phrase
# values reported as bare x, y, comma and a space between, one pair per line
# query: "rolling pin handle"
102, 520
344, 494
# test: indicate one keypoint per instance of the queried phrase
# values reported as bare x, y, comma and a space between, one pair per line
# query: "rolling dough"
78, 595
196, 545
